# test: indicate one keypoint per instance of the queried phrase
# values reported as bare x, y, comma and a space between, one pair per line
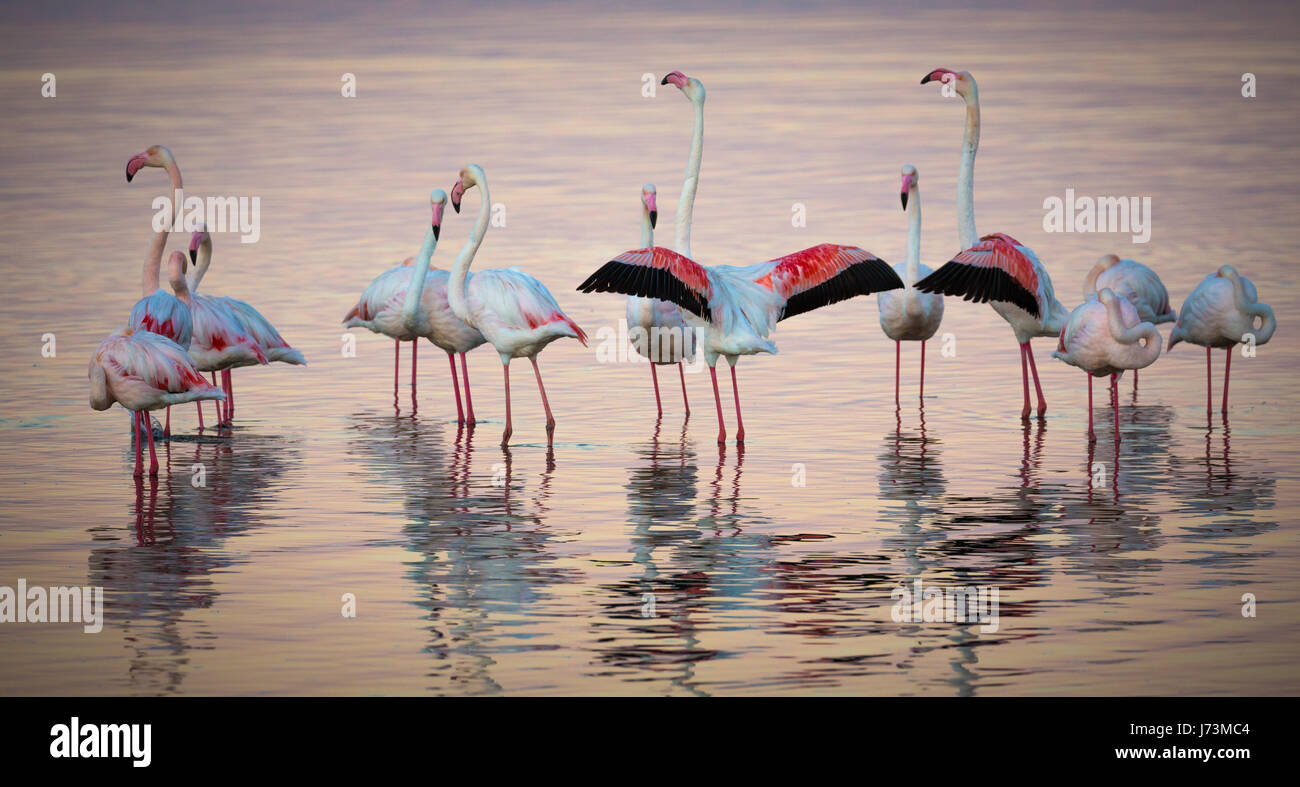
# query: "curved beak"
457, 191
437, 220
654, 217
194, 253
904, 196
926, 79
134, 165
196, 240
653, 208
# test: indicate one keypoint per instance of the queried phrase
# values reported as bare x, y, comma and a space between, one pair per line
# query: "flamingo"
160, 311
144, 371
1105, 335
220, 343
513, 311
379, 307
1220, 312
1136, 282
910, 315
658, 323
250, 320
426, 311
995, 268
739, 306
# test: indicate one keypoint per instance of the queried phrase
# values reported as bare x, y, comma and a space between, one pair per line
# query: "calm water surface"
479, 570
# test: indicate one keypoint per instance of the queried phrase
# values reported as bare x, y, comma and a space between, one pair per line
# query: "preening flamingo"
738, 306
659, 331
379, 309
995, 268
1105, 335
144, 371
1222, 311
250, 320
220, 343
910, 315
426, 311
1136, 283
513, 311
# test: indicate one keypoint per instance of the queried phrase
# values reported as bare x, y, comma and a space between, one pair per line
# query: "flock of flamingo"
725, 311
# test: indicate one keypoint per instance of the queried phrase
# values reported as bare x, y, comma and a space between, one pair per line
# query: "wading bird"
513, 311
1223, 311
995, 268
1137, 284
910, 315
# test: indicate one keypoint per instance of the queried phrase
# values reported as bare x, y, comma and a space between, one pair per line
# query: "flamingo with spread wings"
995, 269
738, 307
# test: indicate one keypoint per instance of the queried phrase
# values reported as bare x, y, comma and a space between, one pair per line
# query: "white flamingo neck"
647, 232
686, 203
151, 276
201, 264
966, 175
415, 290
913, 237
460, 270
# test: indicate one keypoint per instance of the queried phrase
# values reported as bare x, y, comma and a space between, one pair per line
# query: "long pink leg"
397, 354
1024, 381
199, 404
550, 419
1114, 382
230, 394
898, 351
923, 368
1227, 370
414, 353
1092, 436
505, 437
735, 394
455, 386
717, 400
1033, 369
1209, 398
655, 377
153, 456
682, 373
469, 400
221, 416
167, 430
139, 446
1135, 379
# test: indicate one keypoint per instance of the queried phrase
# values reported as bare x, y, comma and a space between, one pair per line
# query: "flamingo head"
909, 183
961, 81
648, 202
176, 266
468, 178
155, 156
438, 200
690, 86
198, 240
1226, 272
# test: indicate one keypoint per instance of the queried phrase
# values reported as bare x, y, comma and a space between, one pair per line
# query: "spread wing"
998, 268
655, 272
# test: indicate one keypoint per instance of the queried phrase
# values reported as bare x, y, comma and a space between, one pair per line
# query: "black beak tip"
654, 217
664, 81
925, 79
435, 231
193, 256
129, 176
904, 196
455, 205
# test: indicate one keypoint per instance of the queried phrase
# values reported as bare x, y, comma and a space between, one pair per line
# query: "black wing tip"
646, 282
980, 285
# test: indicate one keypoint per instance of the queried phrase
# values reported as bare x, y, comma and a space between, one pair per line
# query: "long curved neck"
966, 175
913, 237
182, 290
647, 232
201, 263
1131, 337
460, 270
686, 203
153, 258
1255, 309
415, 290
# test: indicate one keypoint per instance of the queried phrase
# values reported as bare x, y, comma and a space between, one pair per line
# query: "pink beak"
437, 219
134, 165
457, 191
907, 187
196, 240
676, 78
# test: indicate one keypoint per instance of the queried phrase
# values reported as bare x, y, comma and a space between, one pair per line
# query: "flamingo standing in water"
1105, 335
379, 309
144, 371
995, 268
1222, 311
910, 315
426, 311
250, 320
739, 306
220, 343
513, 311
159, 311
1135, 282
662, 334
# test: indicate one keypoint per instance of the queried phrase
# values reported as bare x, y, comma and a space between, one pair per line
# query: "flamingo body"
142, 370
516, 313
910, 315
1222, 309
220, 341
1104, 335
379, 309
164, 314
1134, 282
